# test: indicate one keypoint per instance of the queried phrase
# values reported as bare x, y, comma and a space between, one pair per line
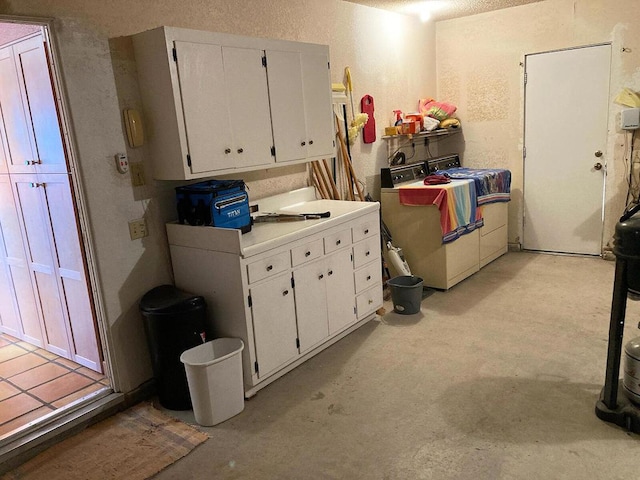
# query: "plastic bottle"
397, 117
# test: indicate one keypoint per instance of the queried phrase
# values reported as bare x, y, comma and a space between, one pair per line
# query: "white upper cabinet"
219, 103
301, 111
222, 88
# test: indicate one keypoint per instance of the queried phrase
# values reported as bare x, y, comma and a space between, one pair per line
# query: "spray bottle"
397, 115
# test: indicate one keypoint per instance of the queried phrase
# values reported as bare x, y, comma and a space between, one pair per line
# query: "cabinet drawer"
337, 240
368, 227
306, 252
495, 216
369, 301
368, 276
267, 267
366, 251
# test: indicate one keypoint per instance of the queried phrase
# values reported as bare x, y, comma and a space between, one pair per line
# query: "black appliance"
613, 405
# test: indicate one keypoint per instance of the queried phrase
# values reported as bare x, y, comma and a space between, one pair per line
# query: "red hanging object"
369, 129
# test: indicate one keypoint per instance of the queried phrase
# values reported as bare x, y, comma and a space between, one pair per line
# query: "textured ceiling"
445, 9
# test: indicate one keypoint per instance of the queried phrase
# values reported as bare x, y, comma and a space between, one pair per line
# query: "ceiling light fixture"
425, 9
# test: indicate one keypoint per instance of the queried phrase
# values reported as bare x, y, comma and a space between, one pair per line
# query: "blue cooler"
217, 203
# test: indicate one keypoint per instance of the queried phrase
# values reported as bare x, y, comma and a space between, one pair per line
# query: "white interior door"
566, 109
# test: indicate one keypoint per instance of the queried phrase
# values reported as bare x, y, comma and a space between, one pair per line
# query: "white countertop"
265, 236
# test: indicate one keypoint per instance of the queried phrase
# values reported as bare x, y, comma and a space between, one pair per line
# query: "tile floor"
34, 382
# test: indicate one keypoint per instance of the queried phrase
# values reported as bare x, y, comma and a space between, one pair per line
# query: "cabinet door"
69, 265
225, 105
204, 105
311, 304
287, 105
29, 195
274, 323
248, 96
318, 105
16, 131
16, 292
39, 104
340, 291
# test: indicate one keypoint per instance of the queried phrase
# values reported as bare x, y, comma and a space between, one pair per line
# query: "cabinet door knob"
338, 242
367, 253
227, 150
368, 277
370, 301
285, 293
310, 142
240, 150
269, 268
366, 232
330, 272
307, 254
302, 144
320, 277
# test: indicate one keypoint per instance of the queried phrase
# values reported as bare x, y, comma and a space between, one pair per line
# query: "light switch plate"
137, 174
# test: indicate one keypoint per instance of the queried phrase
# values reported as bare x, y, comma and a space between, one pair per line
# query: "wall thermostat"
630, 119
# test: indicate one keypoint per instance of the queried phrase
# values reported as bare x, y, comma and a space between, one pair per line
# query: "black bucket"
406, 294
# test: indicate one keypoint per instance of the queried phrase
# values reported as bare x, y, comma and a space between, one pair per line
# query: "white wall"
391, 57
478, 65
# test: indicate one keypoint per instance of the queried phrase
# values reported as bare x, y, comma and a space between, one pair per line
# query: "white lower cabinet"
288, 295
324, 298
274, 323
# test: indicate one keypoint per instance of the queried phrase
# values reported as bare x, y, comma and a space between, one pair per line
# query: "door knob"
598, 166
598, 153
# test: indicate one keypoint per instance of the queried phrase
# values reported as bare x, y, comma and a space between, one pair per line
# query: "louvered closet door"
18, 307
30, 199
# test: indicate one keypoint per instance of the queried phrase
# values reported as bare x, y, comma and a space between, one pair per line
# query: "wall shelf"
439, 132
395, 143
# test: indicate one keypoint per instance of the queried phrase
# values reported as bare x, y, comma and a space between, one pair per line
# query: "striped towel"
456, 202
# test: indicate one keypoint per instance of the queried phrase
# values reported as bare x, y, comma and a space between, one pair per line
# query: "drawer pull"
302, 144
330, 272
320, 277
285, 293
367, 254
240, 150
310, 142
269, 268
368, 277
366, 232
227, 151
307, 254
338, 242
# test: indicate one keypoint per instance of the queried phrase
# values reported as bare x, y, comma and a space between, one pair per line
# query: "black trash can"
174, 321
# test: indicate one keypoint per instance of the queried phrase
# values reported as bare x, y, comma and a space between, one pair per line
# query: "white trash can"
214, 375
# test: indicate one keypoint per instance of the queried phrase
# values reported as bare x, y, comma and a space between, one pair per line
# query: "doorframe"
524, 144
25, 444
78, 192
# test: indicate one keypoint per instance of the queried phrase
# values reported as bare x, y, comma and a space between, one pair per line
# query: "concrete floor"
495, 379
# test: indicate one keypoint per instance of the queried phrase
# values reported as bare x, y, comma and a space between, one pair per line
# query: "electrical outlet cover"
137, 229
